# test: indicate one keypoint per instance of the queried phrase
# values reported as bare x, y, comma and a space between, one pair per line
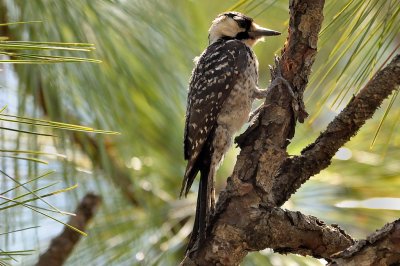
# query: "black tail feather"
205, 198
202, 210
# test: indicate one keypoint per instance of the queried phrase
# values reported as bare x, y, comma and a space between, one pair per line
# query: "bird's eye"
243, 23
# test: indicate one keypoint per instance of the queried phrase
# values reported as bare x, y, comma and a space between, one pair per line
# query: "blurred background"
139, 89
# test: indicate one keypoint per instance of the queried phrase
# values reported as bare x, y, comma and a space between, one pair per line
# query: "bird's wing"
212, 81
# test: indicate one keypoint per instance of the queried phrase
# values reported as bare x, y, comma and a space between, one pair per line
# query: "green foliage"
364, 34
20, 52
14, 193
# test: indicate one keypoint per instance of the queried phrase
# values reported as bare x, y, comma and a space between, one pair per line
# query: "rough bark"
252, 180
247, 217
304, 235
380, 248
317, 156
61, 246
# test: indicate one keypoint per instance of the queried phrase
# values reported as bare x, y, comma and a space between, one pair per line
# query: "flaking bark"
250, 185
380, 248
247, 216
318, 155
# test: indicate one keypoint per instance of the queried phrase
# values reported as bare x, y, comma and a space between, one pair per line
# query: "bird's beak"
257, 31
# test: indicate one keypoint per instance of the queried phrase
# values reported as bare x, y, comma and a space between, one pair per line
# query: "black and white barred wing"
212, 81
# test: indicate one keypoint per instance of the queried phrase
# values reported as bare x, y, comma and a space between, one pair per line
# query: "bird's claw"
277, 77
297, 101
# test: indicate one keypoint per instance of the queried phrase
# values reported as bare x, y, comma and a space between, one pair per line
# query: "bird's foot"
255, 113
297, 103
277, 78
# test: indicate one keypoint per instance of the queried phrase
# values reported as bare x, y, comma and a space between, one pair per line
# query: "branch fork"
248, 216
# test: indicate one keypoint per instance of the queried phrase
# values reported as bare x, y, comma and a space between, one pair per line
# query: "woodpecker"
222, 88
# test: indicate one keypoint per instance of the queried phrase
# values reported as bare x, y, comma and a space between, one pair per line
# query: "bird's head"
235, 25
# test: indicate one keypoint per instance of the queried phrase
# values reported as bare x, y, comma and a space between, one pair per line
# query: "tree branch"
303, 234
250, 184
61, 246
318, 155
264, 175
380, 248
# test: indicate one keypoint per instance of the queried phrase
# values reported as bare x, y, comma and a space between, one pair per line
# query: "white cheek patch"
224, 27
229, 27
